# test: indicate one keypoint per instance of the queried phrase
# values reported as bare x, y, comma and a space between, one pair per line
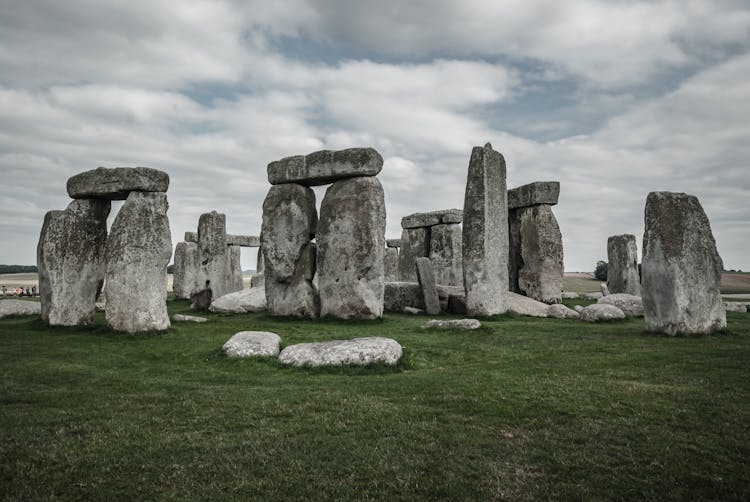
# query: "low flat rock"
413, 311
601, 312
523, 305
578, 308
735, 307
19, 307
116, 183
241, 302
570, 295
188, 318
252, 344
459, 324
356, 352
418, 220
534, 194
325, 167
560, 311
592, 296
631, 305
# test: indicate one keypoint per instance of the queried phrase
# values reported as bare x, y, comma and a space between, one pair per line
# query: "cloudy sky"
612, 98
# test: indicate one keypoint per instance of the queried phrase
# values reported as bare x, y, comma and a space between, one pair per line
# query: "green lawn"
525, 409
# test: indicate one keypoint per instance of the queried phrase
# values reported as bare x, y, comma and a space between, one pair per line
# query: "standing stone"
485, 234
681, 267
289, 223
415, 242
390, 264
535, 257
70, 261
138, 250
216, 265
426, 277
185, 273
351, 247
445, 253
622, 265
234, 269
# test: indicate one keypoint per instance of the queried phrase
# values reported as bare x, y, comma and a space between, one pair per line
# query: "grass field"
524, 409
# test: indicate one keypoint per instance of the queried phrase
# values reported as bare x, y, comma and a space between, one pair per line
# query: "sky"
614, 99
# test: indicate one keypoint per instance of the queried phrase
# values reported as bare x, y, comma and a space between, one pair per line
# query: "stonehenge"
436, 235
681, 267
75, 256
622, 265
535, 254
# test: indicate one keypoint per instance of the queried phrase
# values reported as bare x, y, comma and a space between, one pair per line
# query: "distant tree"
17, 269
600, 272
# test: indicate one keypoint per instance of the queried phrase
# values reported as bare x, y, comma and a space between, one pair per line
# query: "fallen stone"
592, 296
325, 167
560, 311
604, 289
569, 295
622, 265
485, 234
457, 324
430, 219
351, 247
116, 183
240, 302
446, 255
426, 280
578, 308
601, 312
735, 307
631, 305
188, 318
186, 271
356, 352
681, 267
537, 193
413, 311
393, 243
138, 250
523, 305
415, 243
70, 261
252, 344
9, 307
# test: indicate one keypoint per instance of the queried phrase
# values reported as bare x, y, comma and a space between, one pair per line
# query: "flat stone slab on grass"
240, 302
601, 312
631, 305
19, 307
325, 167
355, 352
418, 220
560, 311
116, 183
462, 324
735, 307
252, 344
523, 305
570, 295
188, 318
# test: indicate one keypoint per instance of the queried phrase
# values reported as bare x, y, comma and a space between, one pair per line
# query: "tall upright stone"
185, 274
445, 254
622, 265
426, 279
351, 248
70, 261
234, 268
390, 264
216, 261
681, 267
137, 252
485, 234
290, 221
415, 243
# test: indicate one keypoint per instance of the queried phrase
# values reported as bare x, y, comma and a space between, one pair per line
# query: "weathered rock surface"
535, 259
191, 237
413, 311
356, 352
735, 307
560, 311
681, 267
456, 304
457, 324
188, 318
415, 242
9, 307
116, 183
138, 250
258, 281
578, 308
444, 216
218, 265
240, 302
186, 272
485, 234
351, 247
631, 305
252, 344
523, 305
570, 295
70, 261
533, 194
399, 295
289, 223
234, 269
245, 241
604, 289
446, 255
622, 265
390, 264
426, 280
325, 166
592, 296
601, 312
393, 243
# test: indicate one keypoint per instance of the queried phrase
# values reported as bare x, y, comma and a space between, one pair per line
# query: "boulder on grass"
241, 302
459, 324
19, 307
601, 312
252, 344
631, 305
560, 311
356, 352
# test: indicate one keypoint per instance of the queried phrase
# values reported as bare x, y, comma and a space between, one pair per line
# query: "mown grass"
523, 409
